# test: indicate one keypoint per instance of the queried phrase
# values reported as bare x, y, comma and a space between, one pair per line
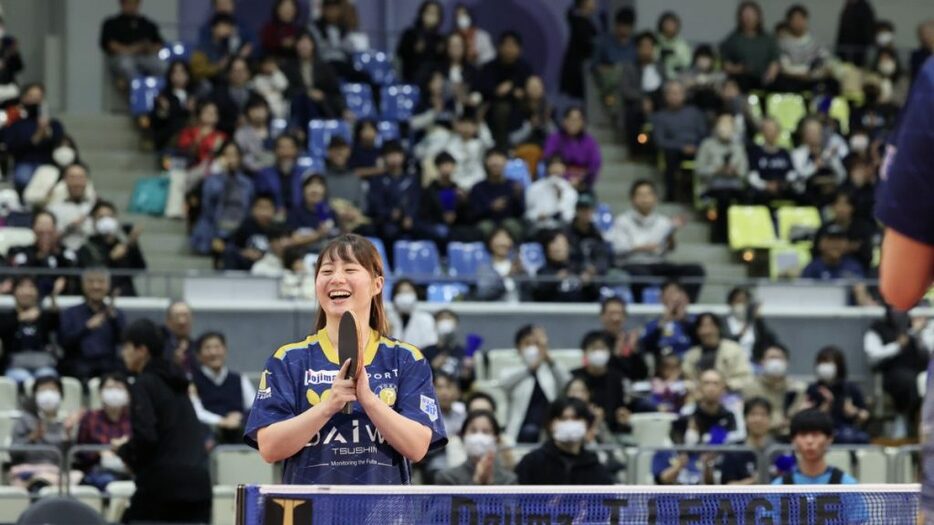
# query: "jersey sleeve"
275, 399
417, 398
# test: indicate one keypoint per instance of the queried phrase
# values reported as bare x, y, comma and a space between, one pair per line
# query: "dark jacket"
389, 193
96, 252
549, 465
486, 191
229, 108
580, 48
496, 72
18, 138
411, 58
165, 452
323, 78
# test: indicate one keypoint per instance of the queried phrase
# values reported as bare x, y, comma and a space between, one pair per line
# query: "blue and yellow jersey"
348, 449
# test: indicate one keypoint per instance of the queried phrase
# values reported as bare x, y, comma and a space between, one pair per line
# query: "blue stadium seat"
517, 170
622, 292
418, 260
277, 126
310, 164
387, 130
175, 51
652, 295
603, 217
143, 93
398, 102
446, 292
464, 258
320, 133
381, 248
359, 100
376, 64
531, 257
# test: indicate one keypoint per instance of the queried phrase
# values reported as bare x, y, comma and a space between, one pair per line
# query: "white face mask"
739, 311
774, 367
598, 358
884, 38
570, 431
859, 143
48, 400
446, 326
886, 67
115, 397
463, 22
106, 225
826, 371
405, 302
63, 155
479, 444
530, 354
691, 437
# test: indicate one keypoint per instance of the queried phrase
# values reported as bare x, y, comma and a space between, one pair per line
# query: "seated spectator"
896, 349
250, 241
611, 51
224, 396
925, 47
201, 140
832, 261
47, 187
271, 84
46, 253
578, 149
177, 333
101, 427
337, 32
818, 161
444, 214
772, 174
497, 280
531, 389
588, 247
673, 49
448, 355
642, 238
423, 42
225, 200
597, 432
114, 247
255, 138
90, 332
624, 352
713, 351
496, 200
314, 222
833, 395
211, 56
480, 435
677, 130
561, 279
875, 115
232, 94
174, 105
669, 390
392, 199
132, 43
703, 79
861, 187
563, 460
283, 179
886, 71
43, 423
604, 382
742, 468
453, 410
721, 169
805, 63
241, 31
27, 330
859, 233
551, 199
280, 34
812, 433
750, 54
272, 263
468, 145
532, 123
433, 116
314, 88
745, 325
773, 384
31, 139
458, 69
11, 63
581, 34
71, 215
364, 156
407, 322
502, 83
298, 280
673, 332
479, 45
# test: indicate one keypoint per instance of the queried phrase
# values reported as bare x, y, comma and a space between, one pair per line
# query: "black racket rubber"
347, 348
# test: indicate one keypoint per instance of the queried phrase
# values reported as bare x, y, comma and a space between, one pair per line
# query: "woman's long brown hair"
357, 249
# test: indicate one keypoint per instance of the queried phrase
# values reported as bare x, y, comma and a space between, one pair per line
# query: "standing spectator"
552, 199
502, 83
605, 383
496, 281
407, 321
833, 395
675, 53
201, 140
392, 199
804, 61
280, 34
90, 331
856, 31
26, 332
641, 239
72, 214
742, 468
577, 148
174, 105
46, 253
641, 84
745, 325
250, 241
721, 168
561, 279
563, 460
314, 221
313, 86
254, 137
132, 43
113, 247
925, 47
43, 423
444, 214
672, 333
784, 393
812, 433
677, 131
859, 232
750, 54
582, 32
612, 50
625, 357
11, 63
480, 48
713, 351
100, 427
32, 139
223, 397
423, 42
480, 435
531, 389
177, 332
772, 174
818, 161
283, 180
233, 95
496, 200
225, 200
212, 55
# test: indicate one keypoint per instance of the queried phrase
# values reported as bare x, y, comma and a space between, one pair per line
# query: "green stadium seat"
787, 108
791, 220
750, 227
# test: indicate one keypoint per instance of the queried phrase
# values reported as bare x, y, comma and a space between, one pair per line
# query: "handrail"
62, 472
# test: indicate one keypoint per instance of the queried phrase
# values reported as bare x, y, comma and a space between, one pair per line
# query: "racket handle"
348, 408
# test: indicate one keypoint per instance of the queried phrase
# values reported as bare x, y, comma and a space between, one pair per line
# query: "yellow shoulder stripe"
284, 349
416, 353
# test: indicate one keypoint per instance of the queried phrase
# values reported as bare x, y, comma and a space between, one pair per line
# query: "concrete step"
119, 179
726, 271
178, 262
116, 160
694, 232
164, 243
700, 253
100, 121
157, 224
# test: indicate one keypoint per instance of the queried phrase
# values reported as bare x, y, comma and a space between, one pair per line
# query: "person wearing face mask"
745, 325
713, 351
722, 167
533, 387
784, 393
480, 49
480, 438
563, 460
423, 42
448, 355
842, 400
887, 70
408, 323
100, 427
609, 386
47, 186
112, 247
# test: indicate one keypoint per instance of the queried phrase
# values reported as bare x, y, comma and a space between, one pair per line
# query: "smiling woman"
297, 415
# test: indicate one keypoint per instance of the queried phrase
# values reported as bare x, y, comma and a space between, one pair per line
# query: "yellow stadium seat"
797, 218
840, 111
787, 108
750, 227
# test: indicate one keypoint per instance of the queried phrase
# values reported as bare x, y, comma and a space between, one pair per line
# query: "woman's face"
578, 390
558, 249
258, 115
286, 11
231, 158
314, 192
501, 245
749, 18
208, 115
368, 133
239, 73
26, 294
431, 16
404, 288
708, 332
305, 47
573, 123
179, 76
455, 48
670, 27
535, 88
480, 425
344, 286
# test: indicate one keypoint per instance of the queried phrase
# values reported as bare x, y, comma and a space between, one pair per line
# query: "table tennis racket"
347, 348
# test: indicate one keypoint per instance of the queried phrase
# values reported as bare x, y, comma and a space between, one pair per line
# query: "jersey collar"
369, 353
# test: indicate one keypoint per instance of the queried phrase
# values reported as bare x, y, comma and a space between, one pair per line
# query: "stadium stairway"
109, 145
693, 244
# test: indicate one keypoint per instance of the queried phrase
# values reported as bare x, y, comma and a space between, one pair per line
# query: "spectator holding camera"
673, 332
837, 397
745, 325
113, 247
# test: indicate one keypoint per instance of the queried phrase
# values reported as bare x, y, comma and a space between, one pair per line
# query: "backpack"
836, 477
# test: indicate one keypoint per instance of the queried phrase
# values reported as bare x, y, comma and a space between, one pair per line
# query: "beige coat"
731, 361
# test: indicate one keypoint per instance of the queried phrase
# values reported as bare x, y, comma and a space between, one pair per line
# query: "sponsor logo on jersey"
429, 407
320, 377
387, 393
263, 391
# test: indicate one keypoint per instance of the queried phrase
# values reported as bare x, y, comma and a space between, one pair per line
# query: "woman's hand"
343, 390
483, 472
363, 391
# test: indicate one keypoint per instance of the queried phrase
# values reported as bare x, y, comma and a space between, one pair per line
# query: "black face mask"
32, 110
